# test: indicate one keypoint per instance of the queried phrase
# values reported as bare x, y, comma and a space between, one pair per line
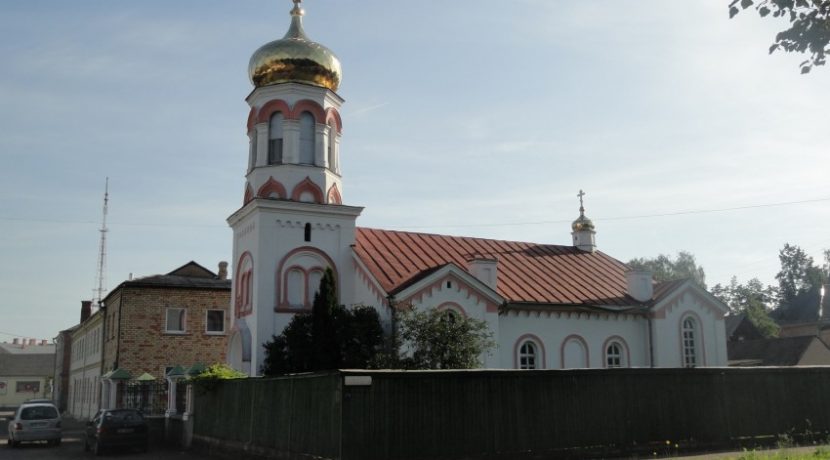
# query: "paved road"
73, 447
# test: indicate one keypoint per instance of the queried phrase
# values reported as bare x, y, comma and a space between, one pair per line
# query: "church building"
548, 306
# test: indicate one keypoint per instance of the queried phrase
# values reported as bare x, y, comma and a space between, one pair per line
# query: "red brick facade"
136, 335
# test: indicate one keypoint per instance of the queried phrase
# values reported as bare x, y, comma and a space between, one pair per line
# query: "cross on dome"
581, 207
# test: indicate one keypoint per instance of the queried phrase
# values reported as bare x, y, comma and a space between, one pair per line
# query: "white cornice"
298, 208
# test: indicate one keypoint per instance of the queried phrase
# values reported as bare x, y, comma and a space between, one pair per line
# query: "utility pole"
102, 250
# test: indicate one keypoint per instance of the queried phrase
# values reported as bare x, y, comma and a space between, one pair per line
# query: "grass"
818, 453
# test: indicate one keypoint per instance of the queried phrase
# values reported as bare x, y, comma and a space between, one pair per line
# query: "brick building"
155, 323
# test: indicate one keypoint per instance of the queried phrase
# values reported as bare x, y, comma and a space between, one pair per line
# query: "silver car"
35, 422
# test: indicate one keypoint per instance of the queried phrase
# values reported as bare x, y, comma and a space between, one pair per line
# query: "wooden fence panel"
515, 414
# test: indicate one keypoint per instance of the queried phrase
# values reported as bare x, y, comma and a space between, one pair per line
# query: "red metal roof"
527, 272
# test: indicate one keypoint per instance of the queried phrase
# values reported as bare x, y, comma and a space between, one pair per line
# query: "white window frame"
614, 359
690, 338
525, 356
167, 329
207, 322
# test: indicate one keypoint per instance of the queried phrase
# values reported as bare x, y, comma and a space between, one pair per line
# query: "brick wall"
146, 347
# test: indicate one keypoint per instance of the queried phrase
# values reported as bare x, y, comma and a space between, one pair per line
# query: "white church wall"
710, 335
555, 331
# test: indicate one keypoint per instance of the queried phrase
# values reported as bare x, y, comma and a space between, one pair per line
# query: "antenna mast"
102, 249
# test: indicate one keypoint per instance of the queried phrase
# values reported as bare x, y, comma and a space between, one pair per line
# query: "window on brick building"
215, 321
175, 320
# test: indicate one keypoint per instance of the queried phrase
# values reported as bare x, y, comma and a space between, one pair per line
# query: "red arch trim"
306, 185
333, 118
270, 107
536, 340
271, 186
334, 195
249, 194
242, 279
281, 299
252, 117
307, 105
454, 307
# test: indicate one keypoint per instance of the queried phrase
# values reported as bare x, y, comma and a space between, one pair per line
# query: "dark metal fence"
293, 414
148, 397
516, 414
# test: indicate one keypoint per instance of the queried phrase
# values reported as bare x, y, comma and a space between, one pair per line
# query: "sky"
471, 117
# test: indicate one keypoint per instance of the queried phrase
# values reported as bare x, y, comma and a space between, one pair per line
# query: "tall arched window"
528, 355
295, 286
332, 153
252, 156
275, 139
306, 138
690, 338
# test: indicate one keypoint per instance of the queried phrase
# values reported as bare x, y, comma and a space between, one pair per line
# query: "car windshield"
123, 416
38, 413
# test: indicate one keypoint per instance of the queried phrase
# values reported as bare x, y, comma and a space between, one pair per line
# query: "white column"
261, 130
291, 141
171, 397
320, 153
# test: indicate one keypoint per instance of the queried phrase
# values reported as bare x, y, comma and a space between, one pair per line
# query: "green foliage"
753, 299
331, 337
208, 379
809, 31
665, 268
439, 339
800, 280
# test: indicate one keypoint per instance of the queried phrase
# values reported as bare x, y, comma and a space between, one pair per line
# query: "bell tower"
292, 225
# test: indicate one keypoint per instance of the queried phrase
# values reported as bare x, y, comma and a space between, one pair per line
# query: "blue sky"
471, 117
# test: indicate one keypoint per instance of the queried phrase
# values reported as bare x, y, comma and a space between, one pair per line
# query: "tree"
665, 268
753, 299
800, 281
440, 339
809, 31
331, 337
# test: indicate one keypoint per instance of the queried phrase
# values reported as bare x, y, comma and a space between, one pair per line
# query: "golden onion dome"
295, 58
582, 222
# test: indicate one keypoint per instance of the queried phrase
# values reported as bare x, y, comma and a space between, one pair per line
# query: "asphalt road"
73, 447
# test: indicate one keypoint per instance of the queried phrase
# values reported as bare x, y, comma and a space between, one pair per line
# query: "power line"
503, 224
634, 217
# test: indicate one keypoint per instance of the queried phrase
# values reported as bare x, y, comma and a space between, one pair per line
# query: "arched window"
690, 339
574, 353
252, 155
614, 355
295, 286
275, 139
332, 153
306, 138
244, 285
528, 355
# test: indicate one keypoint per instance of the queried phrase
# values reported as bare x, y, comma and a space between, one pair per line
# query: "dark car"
111, 428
